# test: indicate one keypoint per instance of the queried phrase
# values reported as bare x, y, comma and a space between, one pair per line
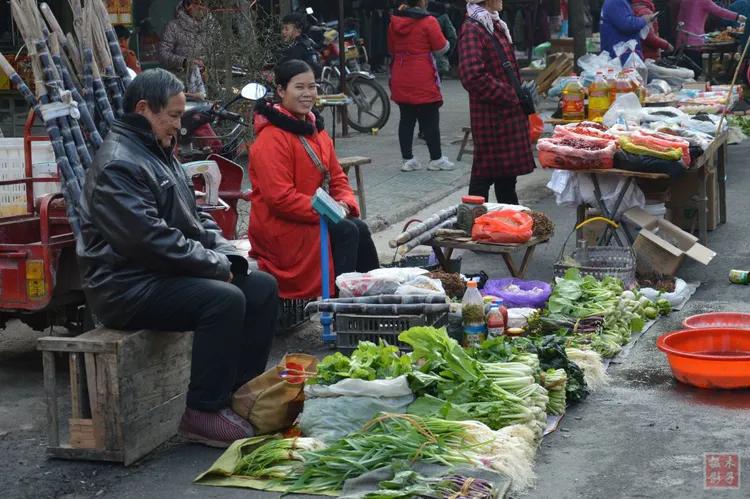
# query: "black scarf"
298, 127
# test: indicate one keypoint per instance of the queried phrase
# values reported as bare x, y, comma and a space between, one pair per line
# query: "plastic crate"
292, 313
423, 261
351, 329
12, 166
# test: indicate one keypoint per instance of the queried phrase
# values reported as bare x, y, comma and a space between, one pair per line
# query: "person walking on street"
499, 125
413, 37
149, 259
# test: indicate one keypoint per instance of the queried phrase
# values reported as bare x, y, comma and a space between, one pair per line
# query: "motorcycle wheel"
371, 107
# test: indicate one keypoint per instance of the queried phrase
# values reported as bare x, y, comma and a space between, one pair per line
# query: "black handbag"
524, 94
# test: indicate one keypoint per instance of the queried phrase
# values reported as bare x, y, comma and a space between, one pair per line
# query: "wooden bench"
127, 392
464, 143
356, 162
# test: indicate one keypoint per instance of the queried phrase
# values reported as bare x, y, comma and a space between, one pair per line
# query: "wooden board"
626, 173
350, 161
482, 247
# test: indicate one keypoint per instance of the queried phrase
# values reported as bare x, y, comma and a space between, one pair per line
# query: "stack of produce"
656, 145
453, 385
578, 152
368, 362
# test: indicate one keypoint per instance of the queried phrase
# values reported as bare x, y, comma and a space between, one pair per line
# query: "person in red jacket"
413, 36
653, 44
284, 229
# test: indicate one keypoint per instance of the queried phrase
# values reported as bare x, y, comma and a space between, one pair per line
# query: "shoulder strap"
318, 163
507, 66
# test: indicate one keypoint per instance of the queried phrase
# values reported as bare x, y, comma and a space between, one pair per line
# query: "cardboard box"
661, 246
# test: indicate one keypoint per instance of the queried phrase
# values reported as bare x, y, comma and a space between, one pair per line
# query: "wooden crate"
127, 391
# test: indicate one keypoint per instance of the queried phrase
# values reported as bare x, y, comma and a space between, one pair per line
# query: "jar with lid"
470, 209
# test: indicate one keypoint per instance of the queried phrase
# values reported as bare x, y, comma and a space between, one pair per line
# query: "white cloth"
487, 18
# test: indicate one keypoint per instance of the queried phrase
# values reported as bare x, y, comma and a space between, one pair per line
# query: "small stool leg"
360, 191
326, 317
463, 145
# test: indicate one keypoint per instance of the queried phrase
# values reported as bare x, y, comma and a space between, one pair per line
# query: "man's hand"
649, 18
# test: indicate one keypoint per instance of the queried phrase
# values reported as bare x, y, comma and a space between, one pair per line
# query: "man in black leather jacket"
149, 259
300, 45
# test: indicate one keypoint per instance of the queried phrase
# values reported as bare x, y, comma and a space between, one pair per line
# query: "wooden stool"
464, 142
127, 392
356, 162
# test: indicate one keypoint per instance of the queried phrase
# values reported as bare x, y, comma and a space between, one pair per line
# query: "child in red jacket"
653, 44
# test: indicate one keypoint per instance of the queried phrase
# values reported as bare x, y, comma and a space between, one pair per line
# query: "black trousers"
505, 188
233, 326
352, 247
428, 116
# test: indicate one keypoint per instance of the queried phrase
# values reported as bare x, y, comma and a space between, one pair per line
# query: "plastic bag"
519, 317
503, 227
576, 152
626, 109
681, 292
375, 282
536, 127
591, 63
421, 285
583, 128
518, 292
610, 188
634, 61
333, 411
564, 184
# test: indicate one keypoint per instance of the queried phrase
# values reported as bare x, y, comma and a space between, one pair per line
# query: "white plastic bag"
421, 285
681, 292
564, 183
357, 284
519, 317
611, 187
333, 411
626, 109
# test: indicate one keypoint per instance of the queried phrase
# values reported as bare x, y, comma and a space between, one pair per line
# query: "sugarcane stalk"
94, 135
63, 41
425, 236
382, 300
70, 187
380, 309
118, 61
100, 96
74, 54
420, 228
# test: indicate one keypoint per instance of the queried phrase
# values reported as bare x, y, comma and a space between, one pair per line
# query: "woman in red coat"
284, 229
499, 126
653, 44
413, 36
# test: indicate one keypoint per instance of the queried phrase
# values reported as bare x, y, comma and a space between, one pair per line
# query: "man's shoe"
411, 165
441, 164
215, 429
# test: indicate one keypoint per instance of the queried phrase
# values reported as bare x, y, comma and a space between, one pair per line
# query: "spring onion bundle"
277, 458
385, 439
591, 364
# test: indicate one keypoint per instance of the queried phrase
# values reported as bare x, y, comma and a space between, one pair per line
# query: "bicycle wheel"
370, 108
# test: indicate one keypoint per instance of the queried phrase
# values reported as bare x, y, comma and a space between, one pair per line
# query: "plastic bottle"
503, 310
636, 84
573, 101
612, 82
472, 308
599, 93
495, 323
623, 85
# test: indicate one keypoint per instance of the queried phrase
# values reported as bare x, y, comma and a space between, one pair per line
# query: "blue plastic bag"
517, 293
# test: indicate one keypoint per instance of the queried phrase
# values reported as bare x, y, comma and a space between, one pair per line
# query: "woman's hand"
345, 207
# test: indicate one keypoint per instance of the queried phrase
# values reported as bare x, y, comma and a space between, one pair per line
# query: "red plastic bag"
536, 127
503, 227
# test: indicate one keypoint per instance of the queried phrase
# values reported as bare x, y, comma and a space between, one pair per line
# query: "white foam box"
661, 246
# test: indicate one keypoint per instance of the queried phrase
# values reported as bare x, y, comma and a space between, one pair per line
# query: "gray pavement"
643, 436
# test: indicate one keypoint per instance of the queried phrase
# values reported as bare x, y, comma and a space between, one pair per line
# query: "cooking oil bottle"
573, 101
612, 82
623, 85
598, 97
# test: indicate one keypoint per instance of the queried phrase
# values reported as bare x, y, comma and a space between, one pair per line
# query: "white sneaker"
410, 165
441, 164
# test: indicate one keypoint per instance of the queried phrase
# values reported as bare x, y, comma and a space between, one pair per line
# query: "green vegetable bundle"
369, 362
277, 458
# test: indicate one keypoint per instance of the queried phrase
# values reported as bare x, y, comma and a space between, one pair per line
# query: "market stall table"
444, 246
713, 160
720, 49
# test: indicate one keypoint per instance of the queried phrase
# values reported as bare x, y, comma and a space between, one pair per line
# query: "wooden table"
713, 160
719, 49
444, 246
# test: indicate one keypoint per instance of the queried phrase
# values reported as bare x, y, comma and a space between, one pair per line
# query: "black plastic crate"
292, 313
351, 329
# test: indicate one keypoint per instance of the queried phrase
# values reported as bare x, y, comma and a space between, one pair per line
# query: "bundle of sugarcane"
378, 308
420, 228
69, 95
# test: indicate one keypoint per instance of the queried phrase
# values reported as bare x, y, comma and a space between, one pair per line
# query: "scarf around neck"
488, 19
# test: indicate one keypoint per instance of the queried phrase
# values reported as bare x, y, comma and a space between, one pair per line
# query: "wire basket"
601, 261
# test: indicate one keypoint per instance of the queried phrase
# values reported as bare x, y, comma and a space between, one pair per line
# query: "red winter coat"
653, 43
499, 126
413, 35
284, 230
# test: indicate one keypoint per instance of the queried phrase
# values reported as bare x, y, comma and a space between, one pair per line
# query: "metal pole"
325, 270
577, 27
342, 53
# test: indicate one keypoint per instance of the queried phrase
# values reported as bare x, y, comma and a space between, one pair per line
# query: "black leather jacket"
140, 224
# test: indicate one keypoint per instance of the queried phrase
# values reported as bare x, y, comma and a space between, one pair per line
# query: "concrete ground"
644, 436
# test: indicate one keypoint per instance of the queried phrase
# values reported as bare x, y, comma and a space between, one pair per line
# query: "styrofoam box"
13, 197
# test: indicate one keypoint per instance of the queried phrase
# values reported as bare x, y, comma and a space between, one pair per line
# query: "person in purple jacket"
618, 23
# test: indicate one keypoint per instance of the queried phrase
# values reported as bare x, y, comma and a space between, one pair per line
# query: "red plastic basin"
709, 357
734, 320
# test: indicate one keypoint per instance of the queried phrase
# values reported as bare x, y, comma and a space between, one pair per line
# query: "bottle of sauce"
573, 101
598, 97
472, 309
495, 323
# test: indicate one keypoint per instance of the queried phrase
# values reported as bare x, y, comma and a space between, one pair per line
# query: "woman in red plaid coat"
499, 126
